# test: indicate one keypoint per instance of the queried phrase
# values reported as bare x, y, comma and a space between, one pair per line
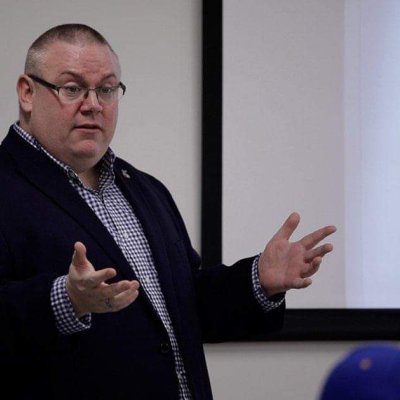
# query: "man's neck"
90, 178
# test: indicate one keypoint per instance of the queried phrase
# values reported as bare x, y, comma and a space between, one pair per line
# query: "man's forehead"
63, 56
79, 49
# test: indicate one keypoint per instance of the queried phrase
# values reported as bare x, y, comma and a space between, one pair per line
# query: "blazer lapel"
140, 201
43, 173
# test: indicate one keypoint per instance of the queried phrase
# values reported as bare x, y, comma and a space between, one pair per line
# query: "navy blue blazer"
124, 354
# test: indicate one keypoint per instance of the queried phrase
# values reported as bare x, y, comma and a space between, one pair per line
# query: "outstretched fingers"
312, 239
301, 283
85, 271
126, 297
311, 267
319, 251
117, 288
288, 227
100, 276
79, 257
119, 295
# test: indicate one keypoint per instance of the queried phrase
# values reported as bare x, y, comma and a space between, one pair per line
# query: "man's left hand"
288, 265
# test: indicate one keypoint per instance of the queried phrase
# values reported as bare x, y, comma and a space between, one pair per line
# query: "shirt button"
165, 347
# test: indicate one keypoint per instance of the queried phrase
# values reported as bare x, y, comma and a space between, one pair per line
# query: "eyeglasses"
75, 94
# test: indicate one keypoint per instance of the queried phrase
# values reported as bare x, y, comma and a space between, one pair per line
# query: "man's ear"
25, 91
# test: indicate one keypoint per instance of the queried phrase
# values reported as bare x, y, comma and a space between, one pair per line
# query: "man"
101, 292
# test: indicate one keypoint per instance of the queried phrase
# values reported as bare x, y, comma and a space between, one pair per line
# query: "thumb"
79, 257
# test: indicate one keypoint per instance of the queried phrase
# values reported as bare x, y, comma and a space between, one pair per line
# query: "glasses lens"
71, 94
105, 95
109, 95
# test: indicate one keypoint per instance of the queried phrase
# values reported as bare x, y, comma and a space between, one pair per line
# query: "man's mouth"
88, 126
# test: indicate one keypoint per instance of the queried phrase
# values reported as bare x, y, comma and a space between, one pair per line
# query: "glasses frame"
86, 94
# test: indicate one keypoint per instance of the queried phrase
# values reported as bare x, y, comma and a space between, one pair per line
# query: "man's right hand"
88, 290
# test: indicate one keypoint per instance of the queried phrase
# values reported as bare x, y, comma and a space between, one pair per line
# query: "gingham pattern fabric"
66, 320
116, 214
259, 293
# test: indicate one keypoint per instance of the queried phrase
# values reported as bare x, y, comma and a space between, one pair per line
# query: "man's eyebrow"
80, 78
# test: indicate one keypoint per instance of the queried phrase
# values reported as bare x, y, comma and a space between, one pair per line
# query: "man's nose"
91, 101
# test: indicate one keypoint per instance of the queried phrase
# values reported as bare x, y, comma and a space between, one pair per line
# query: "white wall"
276, 371
283, 132
372, 120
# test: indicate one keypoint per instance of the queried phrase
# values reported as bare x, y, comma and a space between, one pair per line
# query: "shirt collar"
107, 161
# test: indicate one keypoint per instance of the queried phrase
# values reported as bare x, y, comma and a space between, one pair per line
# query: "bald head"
68, 33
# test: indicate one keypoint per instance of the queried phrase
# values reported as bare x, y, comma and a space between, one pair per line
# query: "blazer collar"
51, 180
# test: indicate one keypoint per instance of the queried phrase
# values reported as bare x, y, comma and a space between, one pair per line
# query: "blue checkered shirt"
117, 215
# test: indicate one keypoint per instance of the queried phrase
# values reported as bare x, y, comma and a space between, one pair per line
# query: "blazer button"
165, 347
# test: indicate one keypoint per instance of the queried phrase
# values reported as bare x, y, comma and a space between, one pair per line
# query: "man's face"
78, 133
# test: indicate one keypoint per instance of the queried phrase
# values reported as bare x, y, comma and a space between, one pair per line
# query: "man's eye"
105, 90
72, 89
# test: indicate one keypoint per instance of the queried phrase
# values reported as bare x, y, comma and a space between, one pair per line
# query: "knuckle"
297, 247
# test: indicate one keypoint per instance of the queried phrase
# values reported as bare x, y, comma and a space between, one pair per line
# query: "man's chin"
87, 158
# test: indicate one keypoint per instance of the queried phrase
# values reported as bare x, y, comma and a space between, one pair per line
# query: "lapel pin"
125, 173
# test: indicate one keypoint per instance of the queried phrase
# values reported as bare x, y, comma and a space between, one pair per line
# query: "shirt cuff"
267, 303
64, 313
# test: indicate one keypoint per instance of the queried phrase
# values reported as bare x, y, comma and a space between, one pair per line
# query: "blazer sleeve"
26, 312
